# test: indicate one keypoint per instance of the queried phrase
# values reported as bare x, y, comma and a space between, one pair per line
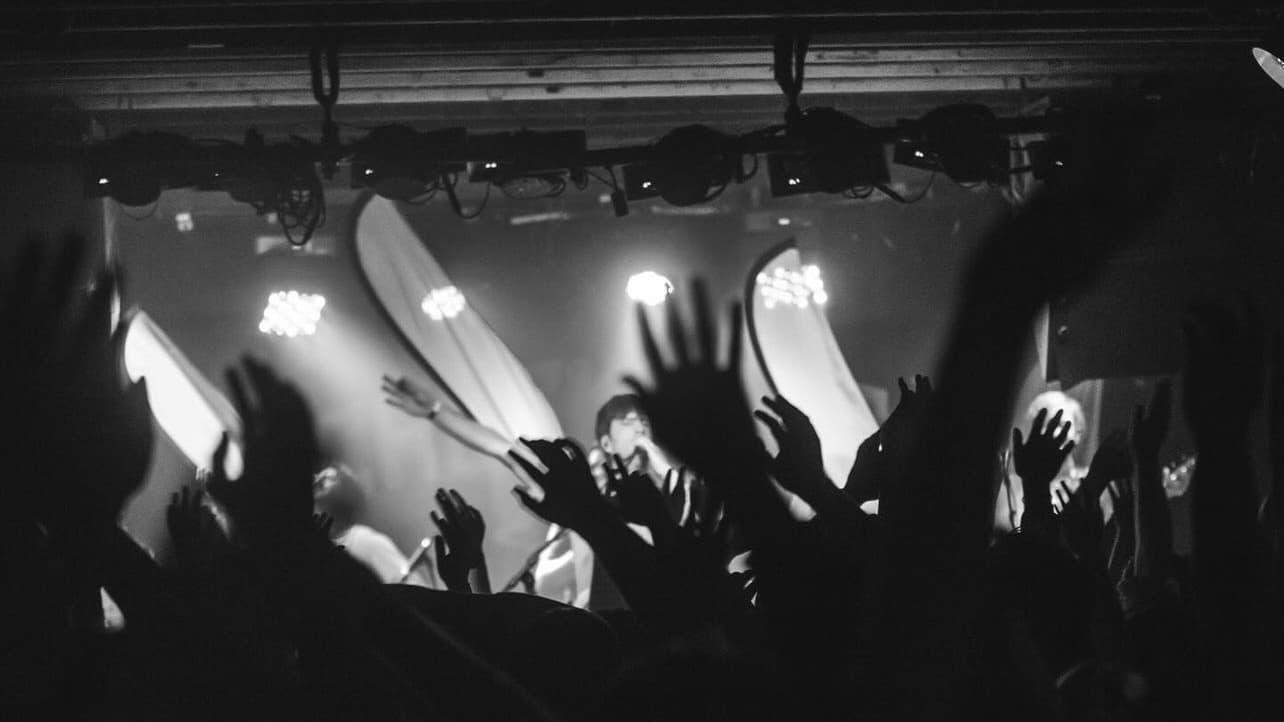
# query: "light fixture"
841, 153
649, 288
962, 141
507, 157
443, 303
789, 288
136, 167
400, 164
291, 314
693, 164
183, 221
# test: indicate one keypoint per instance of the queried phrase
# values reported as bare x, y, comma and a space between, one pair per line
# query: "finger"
527, 500
1018, 442
1053, 424
706, 334
1138, 419
241, 400
649, 346
539, 476
904, 387
772, 424
1063, 434
677, 334
924, 384
1069, 447
1036, 427
460, 503
572, 450
439, 550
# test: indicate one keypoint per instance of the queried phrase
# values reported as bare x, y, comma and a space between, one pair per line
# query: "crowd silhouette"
923, 611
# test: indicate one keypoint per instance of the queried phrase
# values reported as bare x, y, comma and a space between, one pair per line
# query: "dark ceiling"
626, 73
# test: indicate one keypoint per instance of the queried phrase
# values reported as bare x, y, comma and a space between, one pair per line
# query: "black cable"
449, 185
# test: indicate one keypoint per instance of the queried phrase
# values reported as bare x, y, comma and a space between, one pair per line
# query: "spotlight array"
441, 304
291, 314
799, 289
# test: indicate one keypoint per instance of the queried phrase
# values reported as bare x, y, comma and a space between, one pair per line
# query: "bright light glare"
184, 222
792, 288
291, 314
443, 303
180, 398
649, 288
1270, 64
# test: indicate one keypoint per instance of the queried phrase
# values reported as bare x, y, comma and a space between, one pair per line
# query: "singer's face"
622, 437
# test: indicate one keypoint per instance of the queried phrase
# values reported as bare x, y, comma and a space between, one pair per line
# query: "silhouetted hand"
411, 398
1038, 460
1122, 500
866, 473
639, 501
1081, 521
272, 501
571, 498
1111, 462
798, 465
85, 432
899, 432
463, 531
695, 393
194, 532
1223, 379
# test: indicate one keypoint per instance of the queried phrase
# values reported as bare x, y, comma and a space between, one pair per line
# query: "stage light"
184, 223
400, 164
799, 289
842, 153
961, 141
649, 288
506, 157
134, 168
291, 314
1267, 54
443, 303
693, 165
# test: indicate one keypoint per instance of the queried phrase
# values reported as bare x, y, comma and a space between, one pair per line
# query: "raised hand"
864, 478
637, 498
459, 545
1081, 522
898, 433
272, 501
571, 498
1111, 462
695, 393
194, 532
798, 464
411, 398
62, 367
1037, 461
